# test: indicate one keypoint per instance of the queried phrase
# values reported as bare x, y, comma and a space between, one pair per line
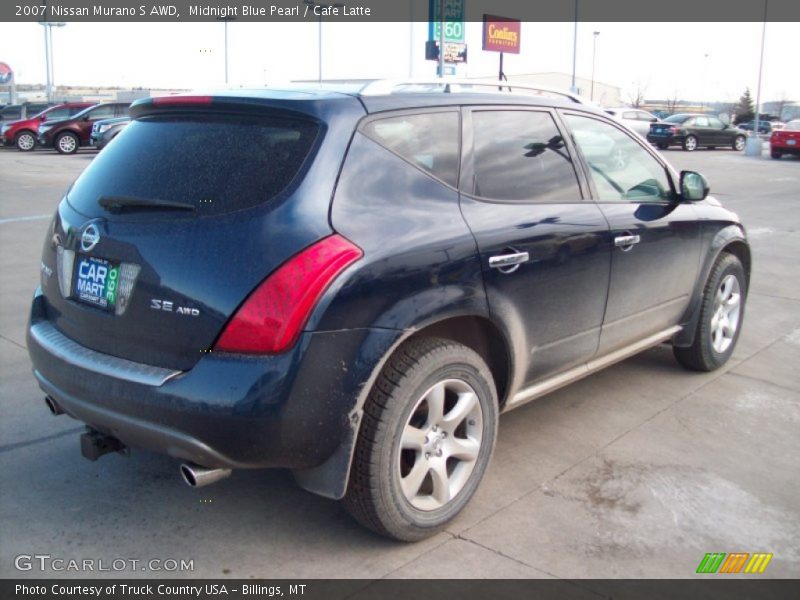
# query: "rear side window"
59, 113
521, 155
429, 141
216, 164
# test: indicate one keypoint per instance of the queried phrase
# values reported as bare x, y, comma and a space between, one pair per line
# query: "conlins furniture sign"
501, 34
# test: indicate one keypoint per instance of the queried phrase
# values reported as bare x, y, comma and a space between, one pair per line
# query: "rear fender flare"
330, 478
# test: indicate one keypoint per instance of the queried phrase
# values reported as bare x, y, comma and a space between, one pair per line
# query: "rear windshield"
215, 164
677, 118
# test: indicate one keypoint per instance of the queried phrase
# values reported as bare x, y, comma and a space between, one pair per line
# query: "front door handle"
626, 241
508, 263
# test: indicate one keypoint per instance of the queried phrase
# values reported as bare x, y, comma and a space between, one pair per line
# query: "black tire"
690, 143
67, 143
375, 497
702, 354
739, 142
776, 154
25, 141
662, 146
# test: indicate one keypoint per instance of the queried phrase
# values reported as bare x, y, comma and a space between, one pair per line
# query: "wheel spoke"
441, 482
435, 399
463, 407
413, 438
463, 449
413, 481
732, 302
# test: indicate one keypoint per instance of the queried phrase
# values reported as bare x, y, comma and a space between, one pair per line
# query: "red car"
786, 140
67, 135
22, 134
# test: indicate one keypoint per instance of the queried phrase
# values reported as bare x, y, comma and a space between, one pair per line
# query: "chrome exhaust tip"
55, 409
197, 476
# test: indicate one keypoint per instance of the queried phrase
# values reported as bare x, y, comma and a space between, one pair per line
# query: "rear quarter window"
428, 140
218, 164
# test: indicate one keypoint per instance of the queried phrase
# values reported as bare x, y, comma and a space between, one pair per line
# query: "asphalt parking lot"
635, 472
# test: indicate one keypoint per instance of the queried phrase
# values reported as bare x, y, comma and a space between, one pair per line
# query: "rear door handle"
503, 261
624, 241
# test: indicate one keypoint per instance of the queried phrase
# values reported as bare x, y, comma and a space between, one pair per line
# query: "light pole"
753, 146
225, 22
48, 55
594, 52
573, 88
313, 3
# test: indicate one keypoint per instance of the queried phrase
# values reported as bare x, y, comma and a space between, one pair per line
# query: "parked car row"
66, 127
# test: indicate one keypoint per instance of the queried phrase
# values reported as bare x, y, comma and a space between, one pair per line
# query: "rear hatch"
172, 226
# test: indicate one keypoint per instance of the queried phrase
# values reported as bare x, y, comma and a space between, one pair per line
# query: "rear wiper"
119, 203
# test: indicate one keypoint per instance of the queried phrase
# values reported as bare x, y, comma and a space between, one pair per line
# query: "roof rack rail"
381, 87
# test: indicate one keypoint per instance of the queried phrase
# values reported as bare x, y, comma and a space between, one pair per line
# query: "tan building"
604, 93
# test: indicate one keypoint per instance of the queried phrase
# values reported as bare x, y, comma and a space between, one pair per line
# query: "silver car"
636, 119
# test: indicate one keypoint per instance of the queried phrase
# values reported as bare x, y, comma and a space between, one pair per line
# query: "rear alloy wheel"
739, 143
775, 154
690, 143
67, 143
426, 438
25, 141
721, 315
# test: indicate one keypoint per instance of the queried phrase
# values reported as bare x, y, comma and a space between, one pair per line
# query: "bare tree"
672, 103
636, 94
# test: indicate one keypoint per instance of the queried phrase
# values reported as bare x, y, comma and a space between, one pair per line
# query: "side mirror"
43, 118
694, 186
87, 117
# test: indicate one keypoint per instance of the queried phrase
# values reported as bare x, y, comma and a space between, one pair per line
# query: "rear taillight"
271, 318
674, 129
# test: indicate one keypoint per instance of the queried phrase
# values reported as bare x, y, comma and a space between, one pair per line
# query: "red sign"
501, 34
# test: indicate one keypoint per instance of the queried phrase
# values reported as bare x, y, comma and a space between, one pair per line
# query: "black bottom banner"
391, 589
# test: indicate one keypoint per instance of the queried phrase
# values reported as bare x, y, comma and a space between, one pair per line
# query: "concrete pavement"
637, 471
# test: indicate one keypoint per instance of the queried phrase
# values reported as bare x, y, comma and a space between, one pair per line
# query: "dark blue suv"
353, 284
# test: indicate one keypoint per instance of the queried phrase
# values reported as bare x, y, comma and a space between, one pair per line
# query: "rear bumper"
667, 140
228, 411
785, 149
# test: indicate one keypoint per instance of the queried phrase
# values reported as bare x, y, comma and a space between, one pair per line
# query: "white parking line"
18, 219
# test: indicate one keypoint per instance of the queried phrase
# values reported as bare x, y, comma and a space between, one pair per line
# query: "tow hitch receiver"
95, 444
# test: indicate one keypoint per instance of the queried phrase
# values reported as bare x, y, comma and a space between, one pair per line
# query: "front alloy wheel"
721, 315
739, 143
25, 141
67, 143
425, 440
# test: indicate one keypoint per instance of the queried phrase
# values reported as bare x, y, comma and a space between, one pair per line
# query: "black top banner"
399, 10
